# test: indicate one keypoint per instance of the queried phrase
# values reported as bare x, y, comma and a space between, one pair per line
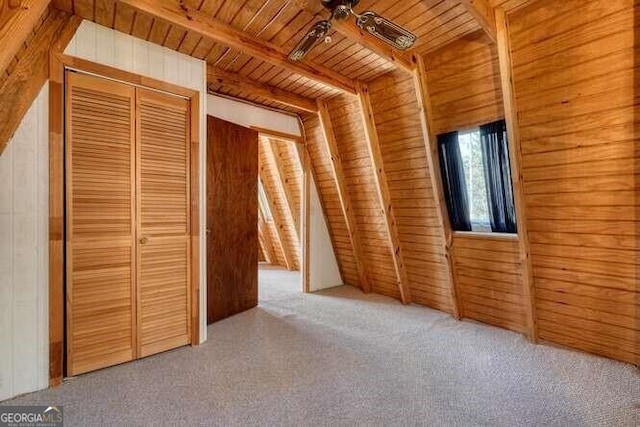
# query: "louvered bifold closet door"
163, 221
100, 177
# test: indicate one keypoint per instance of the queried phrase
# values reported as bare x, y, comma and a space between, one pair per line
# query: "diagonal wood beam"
22, 87
278, 221
265, 237
273, 153
431, 148
484, 13
382, 187
243, 84
513, 132
179, 14
16, 23
343, 193
263, 251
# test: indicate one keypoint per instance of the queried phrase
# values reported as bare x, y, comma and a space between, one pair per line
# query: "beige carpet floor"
341, 358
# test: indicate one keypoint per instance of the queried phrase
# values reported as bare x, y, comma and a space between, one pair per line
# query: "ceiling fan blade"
316, 33
385, 30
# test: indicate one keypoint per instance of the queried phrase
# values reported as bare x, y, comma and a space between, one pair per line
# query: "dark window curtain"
497, 172
455, 187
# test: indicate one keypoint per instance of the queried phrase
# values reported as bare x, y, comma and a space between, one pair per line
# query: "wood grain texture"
515, 157
484, 13
100, 223
464, 84
423, 91
283, 23
26, 79
489, 279
382, 187
232, 217
337, 173
320, 164
163, 222
15, 25
56, 202
233, 81
218, 31
360, 181
283, 216
579, 169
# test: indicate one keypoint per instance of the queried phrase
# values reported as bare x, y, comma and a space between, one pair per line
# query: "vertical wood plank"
426, 120
511, 117
343, 193
384, 195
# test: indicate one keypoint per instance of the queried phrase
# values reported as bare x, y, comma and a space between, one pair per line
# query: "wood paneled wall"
489, 279
464, 84
327, 189
574, 71
273, 190
346, 121
396, 115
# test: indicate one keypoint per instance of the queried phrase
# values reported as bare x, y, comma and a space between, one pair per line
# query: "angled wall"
465, 88
575, 79
397, 119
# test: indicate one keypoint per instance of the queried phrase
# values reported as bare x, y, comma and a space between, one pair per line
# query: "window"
477, 179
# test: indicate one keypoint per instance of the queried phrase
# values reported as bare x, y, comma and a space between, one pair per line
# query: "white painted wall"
323, 266
105, 46
24, 205
24, 256
248, 115
324, 272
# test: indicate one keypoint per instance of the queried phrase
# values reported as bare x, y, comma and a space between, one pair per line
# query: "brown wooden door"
232, 219
163, 226
100, 180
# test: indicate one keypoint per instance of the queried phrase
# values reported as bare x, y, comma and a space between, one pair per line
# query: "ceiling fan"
376, 25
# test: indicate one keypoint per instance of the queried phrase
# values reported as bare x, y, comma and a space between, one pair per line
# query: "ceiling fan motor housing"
340, 9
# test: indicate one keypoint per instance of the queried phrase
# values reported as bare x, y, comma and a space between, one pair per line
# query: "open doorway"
280, 218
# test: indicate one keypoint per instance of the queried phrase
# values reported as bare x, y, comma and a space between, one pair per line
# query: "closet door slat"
100, 206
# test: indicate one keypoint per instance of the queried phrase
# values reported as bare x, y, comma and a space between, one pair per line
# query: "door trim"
57, 65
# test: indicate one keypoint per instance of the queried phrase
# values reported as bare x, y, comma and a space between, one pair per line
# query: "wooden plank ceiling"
283, 23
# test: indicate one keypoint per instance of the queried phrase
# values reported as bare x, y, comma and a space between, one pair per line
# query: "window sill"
485, 235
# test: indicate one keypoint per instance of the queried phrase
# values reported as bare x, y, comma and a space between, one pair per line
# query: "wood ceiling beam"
240, 83
273, 154
484, 13
513, 133
343, 193
24, 83
384, 195
190, 19
431, 148
277, 219
16, 23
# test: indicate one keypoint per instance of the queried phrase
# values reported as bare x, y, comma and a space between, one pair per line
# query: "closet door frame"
59, 63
